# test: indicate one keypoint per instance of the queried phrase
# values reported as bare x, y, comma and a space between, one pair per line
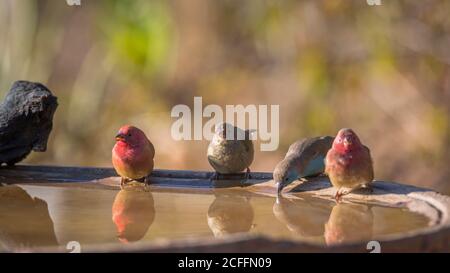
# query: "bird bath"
49, 208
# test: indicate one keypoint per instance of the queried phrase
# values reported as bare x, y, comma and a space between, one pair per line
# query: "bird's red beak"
120, 137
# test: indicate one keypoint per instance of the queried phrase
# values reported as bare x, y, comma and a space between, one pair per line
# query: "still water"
35, 216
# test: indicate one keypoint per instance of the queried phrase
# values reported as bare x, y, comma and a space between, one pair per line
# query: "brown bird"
231, 150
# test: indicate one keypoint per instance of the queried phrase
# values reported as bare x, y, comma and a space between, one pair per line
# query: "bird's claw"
279, 188
338, 195
146, 183
214, 176
122, 183
248, 174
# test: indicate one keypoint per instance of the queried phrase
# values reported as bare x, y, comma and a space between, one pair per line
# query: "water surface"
36, 216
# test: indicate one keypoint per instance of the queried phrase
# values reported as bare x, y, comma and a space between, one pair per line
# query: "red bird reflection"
133, 212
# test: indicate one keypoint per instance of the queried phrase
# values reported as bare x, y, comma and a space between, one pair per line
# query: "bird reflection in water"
230, 213
303, 217
25, 221
349, 223
133, 212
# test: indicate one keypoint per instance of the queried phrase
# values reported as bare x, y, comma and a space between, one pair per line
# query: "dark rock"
26, 120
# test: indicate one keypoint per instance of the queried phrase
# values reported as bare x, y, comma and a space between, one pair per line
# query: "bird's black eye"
286, 179
129, 134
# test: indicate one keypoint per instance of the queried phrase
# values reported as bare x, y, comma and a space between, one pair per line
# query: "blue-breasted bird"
231, 150
304, 158
348, 163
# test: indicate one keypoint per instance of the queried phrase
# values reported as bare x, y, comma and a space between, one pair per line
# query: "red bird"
133, 212
348, 163
132, 155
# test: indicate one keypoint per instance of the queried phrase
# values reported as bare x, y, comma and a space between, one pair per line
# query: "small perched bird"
132, 155
304, 158
348, 163
231, 150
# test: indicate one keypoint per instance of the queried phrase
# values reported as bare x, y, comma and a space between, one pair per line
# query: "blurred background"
382, 70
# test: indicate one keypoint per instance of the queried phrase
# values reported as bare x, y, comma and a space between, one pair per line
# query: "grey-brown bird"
304, 158
231, 150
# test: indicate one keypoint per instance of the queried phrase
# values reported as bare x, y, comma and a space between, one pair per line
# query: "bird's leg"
122, 182
339, 193
214, 176
146, 182
279, 189
247, 174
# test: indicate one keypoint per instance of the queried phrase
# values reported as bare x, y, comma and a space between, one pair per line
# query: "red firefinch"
132, 155
348, 163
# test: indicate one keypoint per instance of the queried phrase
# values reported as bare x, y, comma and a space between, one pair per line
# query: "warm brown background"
384, 71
